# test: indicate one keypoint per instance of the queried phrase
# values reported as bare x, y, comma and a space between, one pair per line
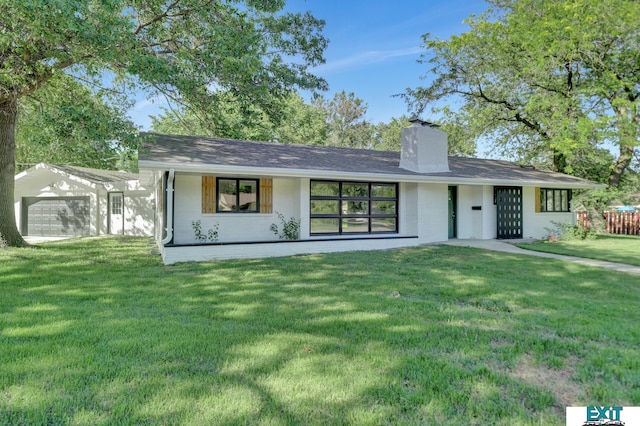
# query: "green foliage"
98, 331
186, 50
347, 126
595, 202
67, 123
546, 82
561, 231
387, 135
290, 228
291, 120
210, 236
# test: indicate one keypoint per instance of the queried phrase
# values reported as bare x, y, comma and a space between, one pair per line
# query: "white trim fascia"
334, 174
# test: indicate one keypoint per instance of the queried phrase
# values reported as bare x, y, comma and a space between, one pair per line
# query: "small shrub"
211, 234
290, 228
566, 232
3, 242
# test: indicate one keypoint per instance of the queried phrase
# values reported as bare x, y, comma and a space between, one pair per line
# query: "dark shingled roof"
227, 152
97, 175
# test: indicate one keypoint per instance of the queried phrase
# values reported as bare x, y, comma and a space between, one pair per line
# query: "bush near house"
97, 331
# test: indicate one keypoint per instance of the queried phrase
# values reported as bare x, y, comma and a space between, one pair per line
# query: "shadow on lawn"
432, 335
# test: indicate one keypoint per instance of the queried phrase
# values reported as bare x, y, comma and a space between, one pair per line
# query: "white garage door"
55, 217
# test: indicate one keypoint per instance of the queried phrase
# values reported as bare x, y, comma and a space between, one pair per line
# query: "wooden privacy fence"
625, 223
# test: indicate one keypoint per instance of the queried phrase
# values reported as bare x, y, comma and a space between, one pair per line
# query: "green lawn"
97, 332
612, 248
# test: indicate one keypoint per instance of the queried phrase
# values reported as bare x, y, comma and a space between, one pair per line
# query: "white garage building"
65, 201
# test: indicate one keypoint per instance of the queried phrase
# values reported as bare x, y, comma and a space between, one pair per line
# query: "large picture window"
555, 200
353, 207
237, 195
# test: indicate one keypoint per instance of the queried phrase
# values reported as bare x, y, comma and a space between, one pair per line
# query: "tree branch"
156, 18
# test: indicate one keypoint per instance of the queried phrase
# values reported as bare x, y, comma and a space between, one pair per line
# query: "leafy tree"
181, 48
231, 118
296, 121
346, 120
387, 136
66, 123
543, 79
302, 123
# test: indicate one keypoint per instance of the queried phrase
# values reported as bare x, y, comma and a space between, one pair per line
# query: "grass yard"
612, 248
98, 332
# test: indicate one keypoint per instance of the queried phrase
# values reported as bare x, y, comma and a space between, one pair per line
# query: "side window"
554, 200
237, 195
224, 195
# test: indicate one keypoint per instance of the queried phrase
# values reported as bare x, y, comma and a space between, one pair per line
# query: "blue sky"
373, 48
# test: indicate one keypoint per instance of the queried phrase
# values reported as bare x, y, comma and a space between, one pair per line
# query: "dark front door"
453, 197
509, 211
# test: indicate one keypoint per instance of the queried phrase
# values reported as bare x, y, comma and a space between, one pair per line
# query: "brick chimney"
424, 148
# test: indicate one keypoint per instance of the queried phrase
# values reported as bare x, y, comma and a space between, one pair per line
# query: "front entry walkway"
509, 247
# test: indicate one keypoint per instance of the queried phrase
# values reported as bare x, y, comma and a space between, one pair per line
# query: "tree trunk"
559, 161
8, 229
624, 159
627, 124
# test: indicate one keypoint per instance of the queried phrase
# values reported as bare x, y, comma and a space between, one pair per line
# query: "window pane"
325, 189
565, 200
355, 224
383, 224
355, 189
324, 226
355, 207
325, 207
557, 200
227, 191
116, 204
383, 207
550, 201
248, 195
383, 191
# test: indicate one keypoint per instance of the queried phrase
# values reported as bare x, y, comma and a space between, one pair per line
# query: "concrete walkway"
497, 245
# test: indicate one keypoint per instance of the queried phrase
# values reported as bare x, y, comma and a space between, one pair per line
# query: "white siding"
304, 194
232, 227
291, 198
433, 212
469, 222
139, 208
489, 215
476, 224
408, 209
537, 225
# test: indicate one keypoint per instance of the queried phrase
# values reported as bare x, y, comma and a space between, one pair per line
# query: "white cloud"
366, 58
